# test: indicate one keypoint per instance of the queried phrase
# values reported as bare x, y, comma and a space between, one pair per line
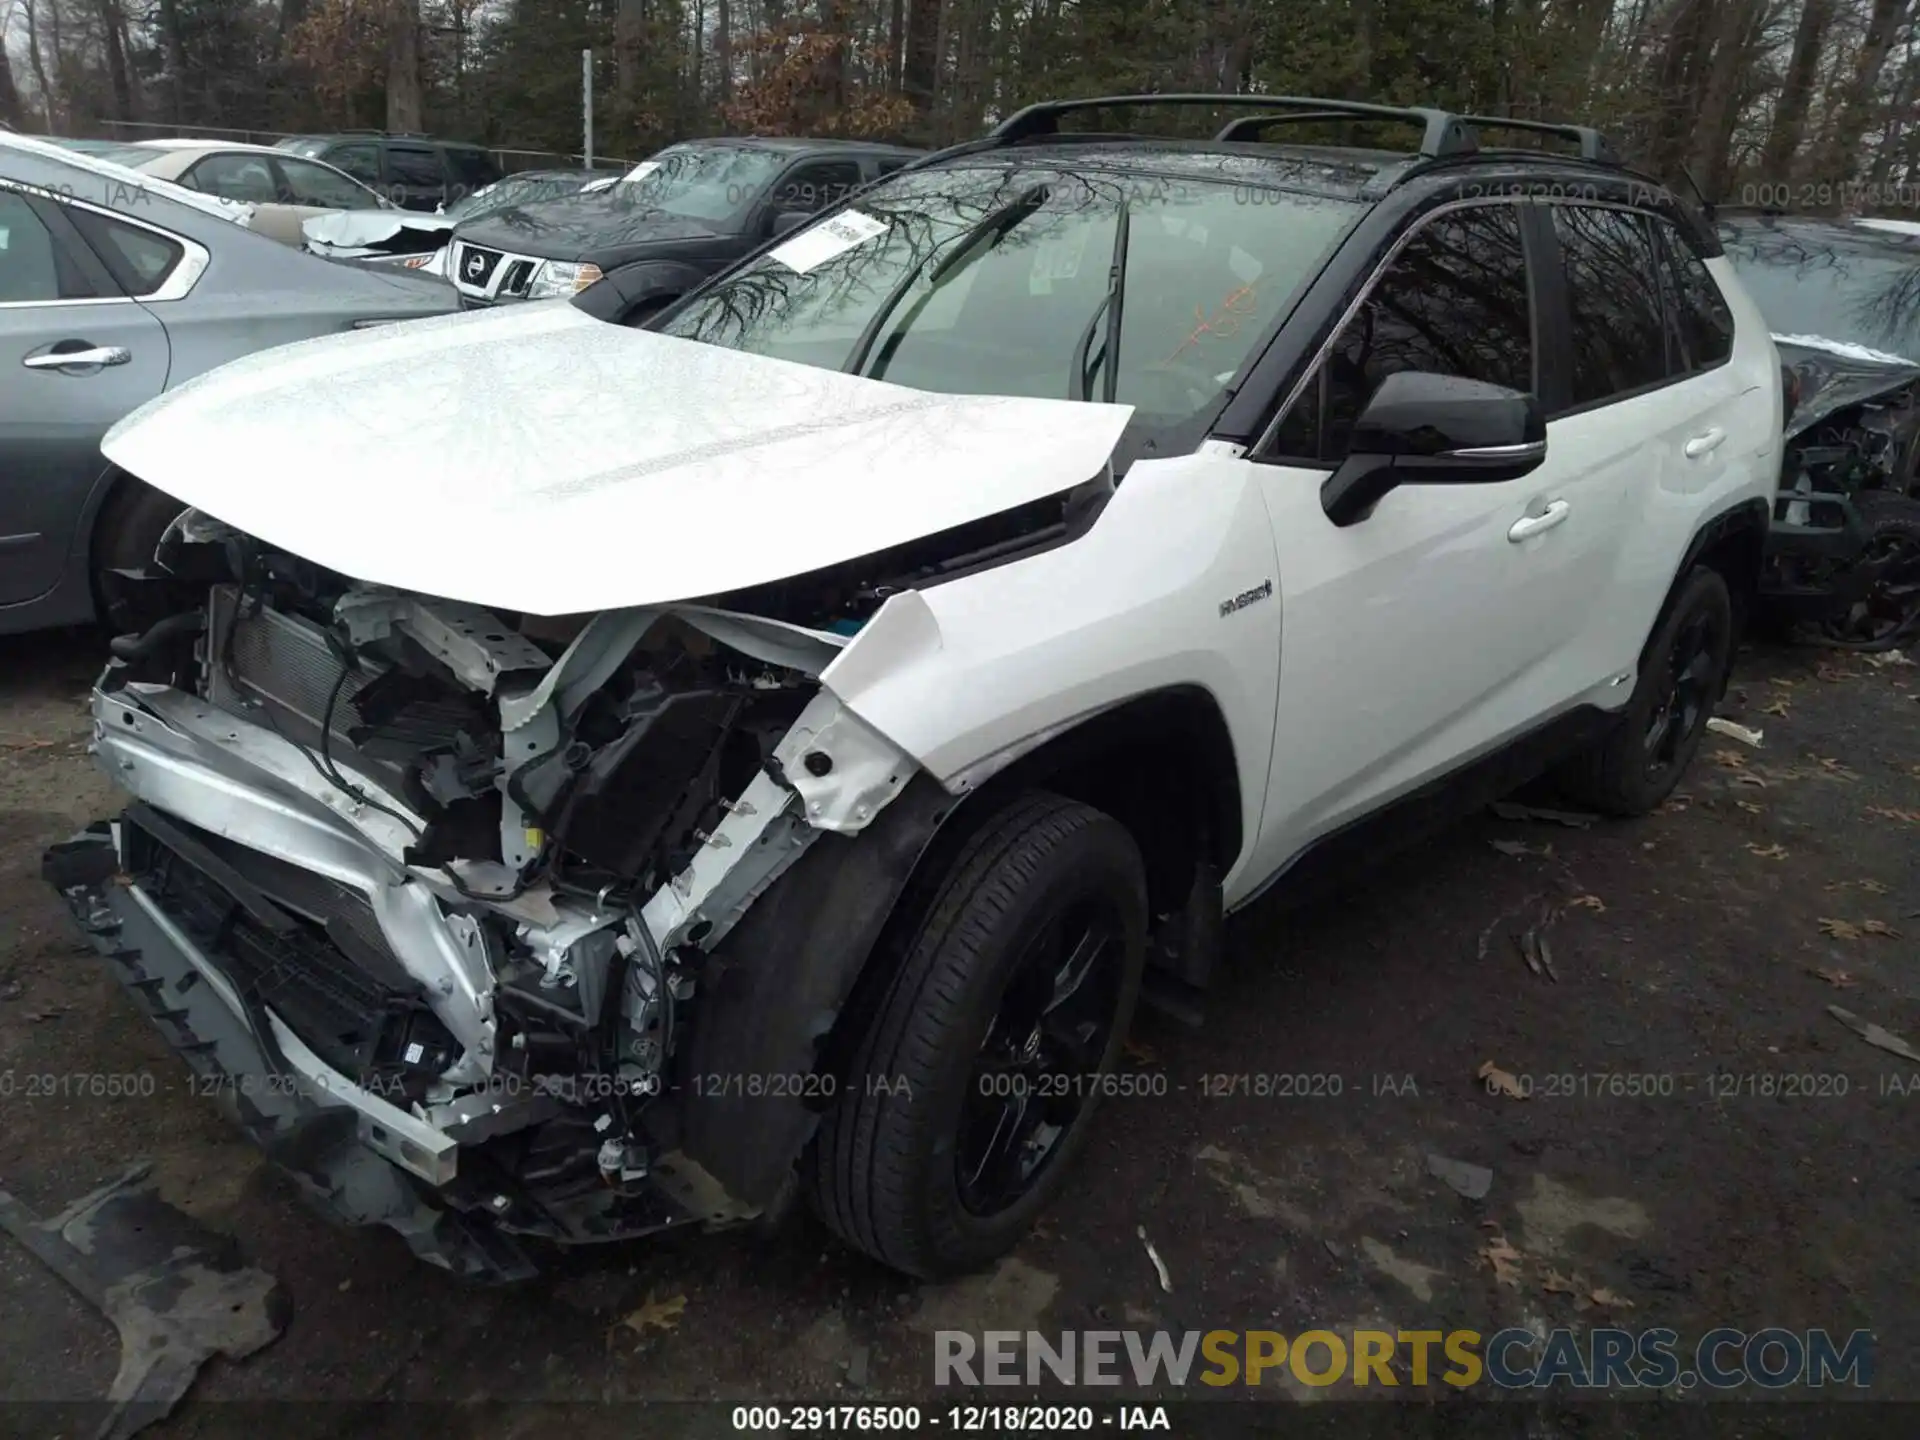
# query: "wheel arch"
1733, 543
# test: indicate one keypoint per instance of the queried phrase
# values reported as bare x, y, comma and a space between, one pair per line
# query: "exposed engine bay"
461, 875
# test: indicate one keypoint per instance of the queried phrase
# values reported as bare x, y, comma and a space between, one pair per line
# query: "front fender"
613, 296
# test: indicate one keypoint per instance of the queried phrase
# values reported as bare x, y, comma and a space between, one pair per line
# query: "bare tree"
1836, 158
405, 110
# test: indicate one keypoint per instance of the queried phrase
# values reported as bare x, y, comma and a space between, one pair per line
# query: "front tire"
981, 1067
125, 537
1682, 678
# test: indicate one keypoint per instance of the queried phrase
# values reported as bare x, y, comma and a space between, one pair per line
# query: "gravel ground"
1695, 945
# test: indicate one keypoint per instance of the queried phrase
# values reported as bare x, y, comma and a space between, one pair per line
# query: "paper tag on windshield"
815, 246
1056, 257
640, 171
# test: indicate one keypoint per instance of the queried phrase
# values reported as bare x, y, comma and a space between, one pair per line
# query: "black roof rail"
1441, 133
1593, 145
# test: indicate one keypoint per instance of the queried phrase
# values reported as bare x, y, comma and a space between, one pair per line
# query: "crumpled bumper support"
346, 1146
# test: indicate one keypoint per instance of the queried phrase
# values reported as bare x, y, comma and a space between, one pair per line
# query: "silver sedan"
114, 287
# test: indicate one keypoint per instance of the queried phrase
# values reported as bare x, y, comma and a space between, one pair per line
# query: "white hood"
536, 459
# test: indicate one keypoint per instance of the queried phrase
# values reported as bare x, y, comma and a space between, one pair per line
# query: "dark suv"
416, 172
674, 220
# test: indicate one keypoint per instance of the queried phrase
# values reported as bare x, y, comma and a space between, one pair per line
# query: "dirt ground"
1694, 944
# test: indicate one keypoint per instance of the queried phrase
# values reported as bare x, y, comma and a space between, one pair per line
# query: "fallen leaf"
1872, 887
1874, 1035
1558, 1284
1839, 979
1674, 804
654, 1315
1500, 1082
1588, 902
1140, 1053
1729, 759
1840, 929
1768, 852
1748, 805
1886, 658
1834, 767
1753, 780
1607, 1300
1885, 812
1504, 1259
1831, 673
1877, 927
1783, 681
1778, 709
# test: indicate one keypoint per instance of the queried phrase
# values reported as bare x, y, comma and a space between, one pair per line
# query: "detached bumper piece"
1812, 544
350, 1149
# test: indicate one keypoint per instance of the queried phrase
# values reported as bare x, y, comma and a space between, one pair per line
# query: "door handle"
1527, 526
60, 359
1705, 443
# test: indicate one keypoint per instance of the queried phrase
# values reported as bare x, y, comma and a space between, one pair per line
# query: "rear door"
76, 354
1658, 431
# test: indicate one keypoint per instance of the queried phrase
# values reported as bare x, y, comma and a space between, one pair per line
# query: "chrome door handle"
1704, 444
1527, 526
60, 359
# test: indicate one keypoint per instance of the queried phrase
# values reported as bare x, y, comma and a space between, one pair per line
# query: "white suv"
605, 777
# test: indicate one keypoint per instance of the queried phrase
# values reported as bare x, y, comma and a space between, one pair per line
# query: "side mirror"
1425, 429
787, 220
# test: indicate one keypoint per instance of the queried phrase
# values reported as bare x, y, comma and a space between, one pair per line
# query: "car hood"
537, 460
580, 226
1836, 374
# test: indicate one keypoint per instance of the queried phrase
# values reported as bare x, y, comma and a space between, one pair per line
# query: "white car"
283, 190
617, 777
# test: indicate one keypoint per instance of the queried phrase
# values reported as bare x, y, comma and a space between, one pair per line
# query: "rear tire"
1639, 761
125, 536
943, 1148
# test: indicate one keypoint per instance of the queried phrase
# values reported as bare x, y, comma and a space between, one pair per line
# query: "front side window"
997, 279
32, 269
1613, 301
1453, 301
234, 177
362, 162
312, 184
814, 187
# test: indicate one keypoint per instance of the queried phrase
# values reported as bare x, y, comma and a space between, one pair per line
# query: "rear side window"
471, 168
312, 184
141, 260
235, 177
1454, 301
1705, 323
414, 165
1613, 302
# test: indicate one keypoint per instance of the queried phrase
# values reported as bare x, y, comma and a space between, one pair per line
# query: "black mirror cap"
1426, 429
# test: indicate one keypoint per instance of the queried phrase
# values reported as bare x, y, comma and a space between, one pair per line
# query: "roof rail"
1593, 145
1441, 133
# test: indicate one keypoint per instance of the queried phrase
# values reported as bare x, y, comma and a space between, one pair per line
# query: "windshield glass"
714, 183
516, 190
994, 279
1827, 280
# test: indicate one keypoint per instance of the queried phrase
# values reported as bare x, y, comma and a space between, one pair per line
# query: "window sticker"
819, 243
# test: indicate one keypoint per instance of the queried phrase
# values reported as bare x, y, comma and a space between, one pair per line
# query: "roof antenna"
1706, 205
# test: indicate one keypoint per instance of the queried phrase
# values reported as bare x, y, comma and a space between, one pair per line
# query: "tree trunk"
113, 26
175, 52
10, 111
1735, 42
723, 50
918, 71
404, 104
39, 65
1790, 113
629, 22
1838, 157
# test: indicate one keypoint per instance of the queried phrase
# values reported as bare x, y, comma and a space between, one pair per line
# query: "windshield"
714, 183
516, 190
1826, 280
995, 279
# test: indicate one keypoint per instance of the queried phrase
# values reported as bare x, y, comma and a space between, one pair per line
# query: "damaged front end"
452, 907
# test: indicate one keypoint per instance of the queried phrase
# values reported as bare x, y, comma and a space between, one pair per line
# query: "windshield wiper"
1110, 306
987, 232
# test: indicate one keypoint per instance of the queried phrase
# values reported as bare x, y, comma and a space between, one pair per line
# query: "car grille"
294, 942
474, 265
